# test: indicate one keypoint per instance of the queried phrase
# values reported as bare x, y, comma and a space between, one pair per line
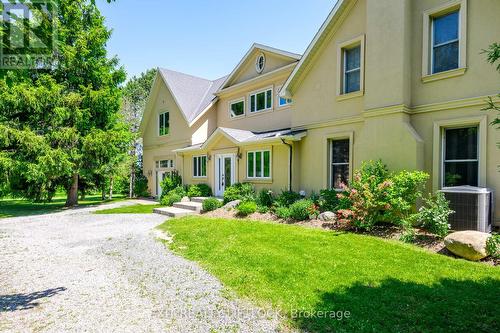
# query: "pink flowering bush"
375, 195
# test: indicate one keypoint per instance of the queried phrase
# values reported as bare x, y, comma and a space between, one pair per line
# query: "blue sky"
207, 38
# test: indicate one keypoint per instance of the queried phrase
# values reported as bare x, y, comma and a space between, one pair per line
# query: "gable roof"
192, 94
257, 46
338, 10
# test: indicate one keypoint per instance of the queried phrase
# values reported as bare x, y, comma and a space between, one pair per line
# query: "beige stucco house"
399, 80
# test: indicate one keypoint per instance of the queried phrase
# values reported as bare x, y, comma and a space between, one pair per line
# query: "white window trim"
254, 93
158, 124
327, 158
257, 69
341, 47
428, 36
438, 149
206, 166
262, 162
230, 103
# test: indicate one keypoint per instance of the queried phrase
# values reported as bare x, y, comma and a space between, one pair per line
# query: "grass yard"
20, 207
134, 209
385, 285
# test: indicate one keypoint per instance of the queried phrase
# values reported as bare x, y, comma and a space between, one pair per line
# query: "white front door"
224, 172
160, 175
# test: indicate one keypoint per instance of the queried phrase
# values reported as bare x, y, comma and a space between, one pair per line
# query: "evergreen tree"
60, 123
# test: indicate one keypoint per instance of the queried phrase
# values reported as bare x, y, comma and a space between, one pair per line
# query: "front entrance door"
224, 172
160, 176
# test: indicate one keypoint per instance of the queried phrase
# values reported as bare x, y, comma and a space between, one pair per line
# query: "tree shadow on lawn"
398, 306
18, 302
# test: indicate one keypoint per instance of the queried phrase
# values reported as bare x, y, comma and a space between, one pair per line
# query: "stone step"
173, 211
194, 206
201, 199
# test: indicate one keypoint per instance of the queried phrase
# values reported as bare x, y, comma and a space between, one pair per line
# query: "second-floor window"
261, 100
285, 101
352, 69
200, 166
163, 124
445, 42
237, 108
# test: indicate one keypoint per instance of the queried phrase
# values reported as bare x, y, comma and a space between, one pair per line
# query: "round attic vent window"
260, 63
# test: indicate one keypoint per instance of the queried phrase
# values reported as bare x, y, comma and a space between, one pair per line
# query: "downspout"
290, 154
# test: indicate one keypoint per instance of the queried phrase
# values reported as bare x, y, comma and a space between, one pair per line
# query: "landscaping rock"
232, 204
185, 199
327, 217
469, 244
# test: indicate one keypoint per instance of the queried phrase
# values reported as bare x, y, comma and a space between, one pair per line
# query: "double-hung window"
200, 166
261, 100
237, 108
163, 123
259, 164
444, 45
339, 163
352, 69
445, 42
460, 156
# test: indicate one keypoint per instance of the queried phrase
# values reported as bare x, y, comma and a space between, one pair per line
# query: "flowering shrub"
375, 195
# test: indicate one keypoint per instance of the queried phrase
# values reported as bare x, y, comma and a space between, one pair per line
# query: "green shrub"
265, 198
171, 182
286, 198
301, 210
283, 212
179, 190
262, 209
328, 200
493, 246
211, 204
239, 191
246, 208
199, 190
433, 216
170, 199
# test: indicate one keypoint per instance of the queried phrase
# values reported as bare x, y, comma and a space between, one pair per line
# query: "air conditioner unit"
473, 206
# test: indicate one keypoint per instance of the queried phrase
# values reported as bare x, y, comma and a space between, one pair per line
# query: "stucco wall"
480, 79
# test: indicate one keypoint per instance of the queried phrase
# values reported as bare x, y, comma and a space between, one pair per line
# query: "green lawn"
135, 209
385, 285
19, 207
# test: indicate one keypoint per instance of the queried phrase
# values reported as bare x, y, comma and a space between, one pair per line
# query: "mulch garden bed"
423, 239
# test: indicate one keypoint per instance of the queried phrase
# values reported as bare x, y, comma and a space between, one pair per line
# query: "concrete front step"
194, 206
174, 211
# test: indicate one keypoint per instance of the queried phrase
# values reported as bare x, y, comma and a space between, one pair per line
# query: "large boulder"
232, 204
185, 199
469, 244
327, 217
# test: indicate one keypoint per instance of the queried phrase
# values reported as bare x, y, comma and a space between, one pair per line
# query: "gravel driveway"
77, 271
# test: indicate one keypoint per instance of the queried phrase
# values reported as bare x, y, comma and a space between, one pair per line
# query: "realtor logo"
28, 34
